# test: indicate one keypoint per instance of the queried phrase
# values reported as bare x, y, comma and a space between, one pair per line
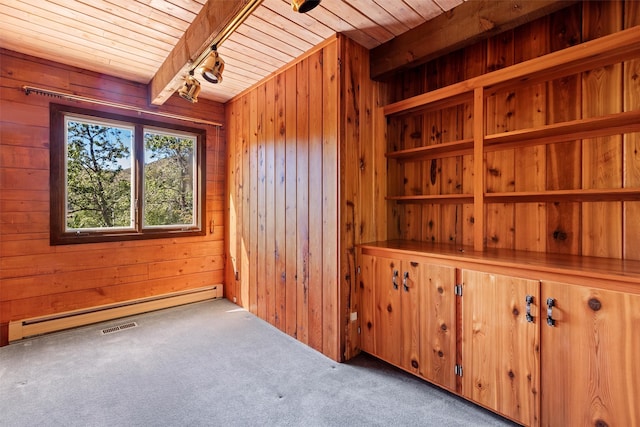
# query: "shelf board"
449, 96
446, 149
610, 49
434, 198
610, 124
591, 195
600, 52
552, 196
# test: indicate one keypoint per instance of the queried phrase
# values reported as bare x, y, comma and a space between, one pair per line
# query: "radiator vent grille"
118, 328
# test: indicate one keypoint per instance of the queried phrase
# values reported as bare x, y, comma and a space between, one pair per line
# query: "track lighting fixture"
304, 6
212, 67
190, 89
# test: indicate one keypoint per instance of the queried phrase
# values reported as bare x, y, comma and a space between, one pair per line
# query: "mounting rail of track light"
210, 65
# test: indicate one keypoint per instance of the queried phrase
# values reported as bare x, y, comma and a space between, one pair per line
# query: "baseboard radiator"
70, 319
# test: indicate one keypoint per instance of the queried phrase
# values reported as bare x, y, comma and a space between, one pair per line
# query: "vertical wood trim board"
631, 154
331, 337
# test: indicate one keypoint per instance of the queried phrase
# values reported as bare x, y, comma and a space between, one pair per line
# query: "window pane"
98, 175
169, 179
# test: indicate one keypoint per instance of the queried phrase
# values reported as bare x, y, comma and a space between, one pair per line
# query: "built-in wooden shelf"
436, 151
593, 127
606, 50
438, 99
590, 195
474, 92
434, 198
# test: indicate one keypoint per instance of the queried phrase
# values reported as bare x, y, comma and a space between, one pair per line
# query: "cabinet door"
387, 305
438, 324
410, 290
366, 315
590, 357
500, 348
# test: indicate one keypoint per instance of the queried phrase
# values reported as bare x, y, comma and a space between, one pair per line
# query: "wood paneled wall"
301, 160
608, 229
38, 279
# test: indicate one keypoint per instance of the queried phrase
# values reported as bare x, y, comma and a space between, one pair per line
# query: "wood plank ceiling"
132, 38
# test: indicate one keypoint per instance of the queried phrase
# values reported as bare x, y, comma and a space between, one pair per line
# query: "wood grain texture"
315, 203
590, 375
244, 223
349, 202
331, 219
592, 54
631, 155
367, 280
388, 310
431, 175
252, 201
607, 273
530, 162
208, 24
452, 130
602, 157
500, 349
261, 186
412, 173
39, 279
479, 180
280, 203
411, 289
299, 196
302, 202
270, 189
536, 109
394, 176
291, 215
231, 204
474, 65
437, 323
500, 165
564, 159
464, 26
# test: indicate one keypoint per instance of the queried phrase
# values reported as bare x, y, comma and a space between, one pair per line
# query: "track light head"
304, 6
190, 89
212, 68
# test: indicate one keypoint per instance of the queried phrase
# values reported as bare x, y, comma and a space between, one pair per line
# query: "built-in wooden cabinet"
519, 189
542, 339
408, 315
546, 333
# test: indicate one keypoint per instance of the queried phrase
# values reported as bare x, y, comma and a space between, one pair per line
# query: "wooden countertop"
615, 274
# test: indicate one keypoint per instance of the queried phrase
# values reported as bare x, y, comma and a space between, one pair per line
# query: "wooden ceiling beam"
461, 26
212, 19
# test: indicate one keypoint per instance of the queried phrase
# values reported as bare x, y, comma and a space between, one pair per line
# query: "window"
122, 178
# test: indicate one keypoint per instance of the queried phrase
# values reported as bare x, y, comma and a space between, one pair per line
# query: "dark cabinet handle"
550, 304
529, 300
404, 281
394, 279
